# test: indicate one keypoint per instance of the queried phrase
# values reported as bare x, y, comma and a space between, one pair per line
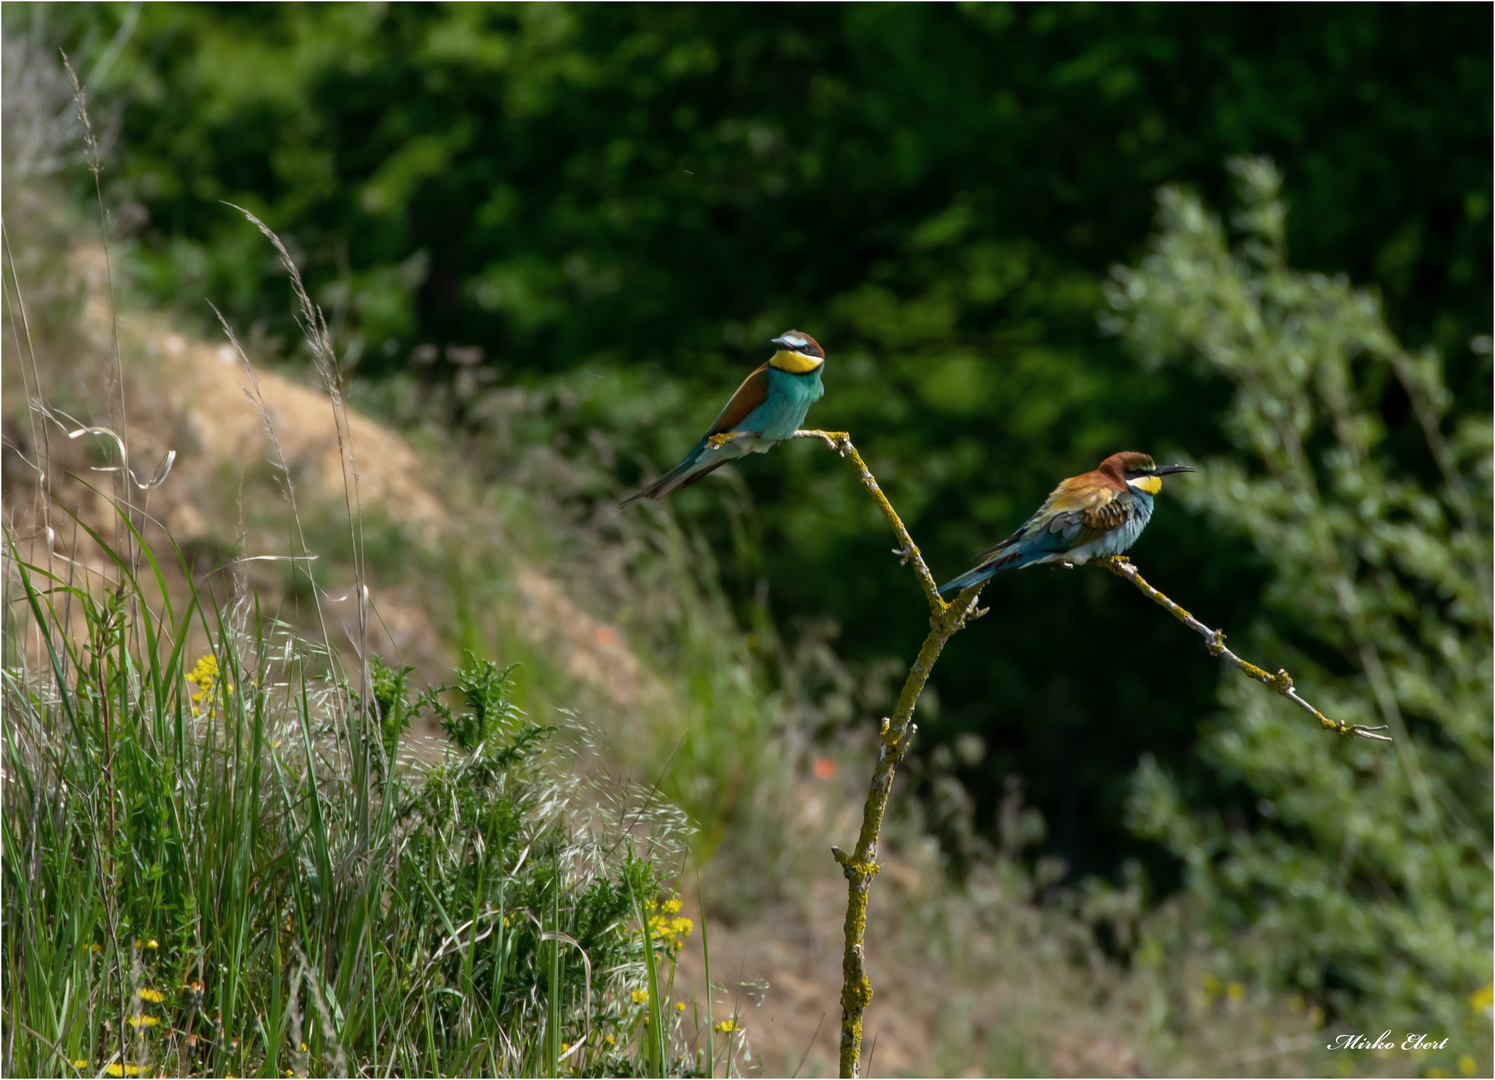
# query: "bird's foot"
721, 439
904, 553
971, 616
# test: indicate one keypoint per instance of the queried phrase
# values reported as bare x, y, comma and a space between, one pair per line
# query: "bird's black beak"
1164, 470
783, 343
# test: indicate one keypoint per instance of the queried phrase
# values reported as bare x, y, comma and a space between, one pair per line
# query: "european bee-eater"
1096, 513
768, 407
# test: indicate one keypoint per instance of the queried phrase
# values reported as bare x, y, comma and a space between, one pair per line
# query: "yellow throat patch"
1150, 484
794, 362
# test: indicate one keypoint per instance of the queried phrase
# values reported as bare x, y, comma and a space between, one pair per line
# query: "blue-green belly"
784, 407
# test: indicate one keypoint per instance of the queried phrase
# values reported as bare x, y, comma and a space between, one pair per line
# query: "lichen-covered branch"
897, 735
1214, 641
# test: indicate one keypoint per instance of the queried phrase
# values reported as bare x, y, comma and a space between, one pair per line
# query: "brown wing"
1076, 512
749, 396
1083, 507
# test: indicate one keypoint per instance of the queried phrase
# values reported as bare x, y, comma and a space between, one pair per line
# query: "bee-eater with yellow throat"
1101, 512
768, 407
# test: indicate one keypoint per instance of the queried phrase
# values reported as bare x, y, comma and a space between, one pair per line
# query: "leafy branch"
1214, 641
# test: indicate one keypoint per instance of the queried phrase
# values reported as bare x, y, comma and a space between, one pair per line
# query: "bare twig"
1214, 641
896, 737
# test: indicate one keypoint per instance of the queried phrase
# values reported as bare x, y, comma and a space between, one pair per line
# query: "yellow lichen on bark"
897, 735
1214, 641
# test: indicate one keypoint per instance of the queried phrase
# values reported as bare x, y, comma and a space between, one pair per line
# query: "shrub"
1360, 873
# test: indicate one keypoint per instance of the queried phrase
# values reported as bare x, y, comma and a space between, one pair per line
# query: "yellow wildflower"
208, 680
640, 996
1235, 991
152, 995
726, 1027
143, 943
679, 1006
144, 1021
80, 1064
1467, 1065
609, 1040
123, 1070
1483, 1000
565, 1047
667, 926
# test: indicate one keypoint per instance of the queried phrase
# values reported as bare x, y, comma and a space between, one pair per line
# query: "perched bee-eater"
1096, 513
768, 407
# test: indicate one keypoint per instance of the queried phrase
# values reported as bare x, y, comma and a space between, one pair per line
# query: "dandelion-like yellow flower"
640, 996
144, 1021
679, 1006
147, 943
1481, 1001
1467, 1065
609, 1040
726, 1027
123, 1070
80, 1063
154, 996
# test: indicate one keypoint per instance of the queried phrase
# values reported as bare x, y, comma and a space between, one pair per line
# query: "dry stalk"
1214, 641
896, 736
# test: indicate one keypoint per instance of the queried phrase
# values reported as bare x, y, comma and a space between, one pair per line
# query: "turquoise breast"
784, 407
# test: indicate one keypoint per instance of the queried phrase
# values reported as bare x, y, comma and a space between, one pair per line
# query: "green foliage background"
620, 204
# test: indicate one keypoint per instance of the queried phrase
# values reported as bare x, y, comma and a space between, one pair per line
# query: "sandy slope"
227, 423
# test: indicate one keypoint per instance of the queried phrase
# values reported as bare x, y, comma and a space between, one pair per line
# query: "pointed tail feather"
679, 476
969, 578
1002, 557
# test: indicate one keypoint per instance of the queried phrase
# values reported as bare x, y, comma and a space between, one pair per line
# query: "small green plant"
214, 864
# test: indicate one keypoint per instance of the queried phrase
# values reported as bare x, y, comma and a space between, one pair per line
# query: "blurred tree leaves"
1364, 874
647, 193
